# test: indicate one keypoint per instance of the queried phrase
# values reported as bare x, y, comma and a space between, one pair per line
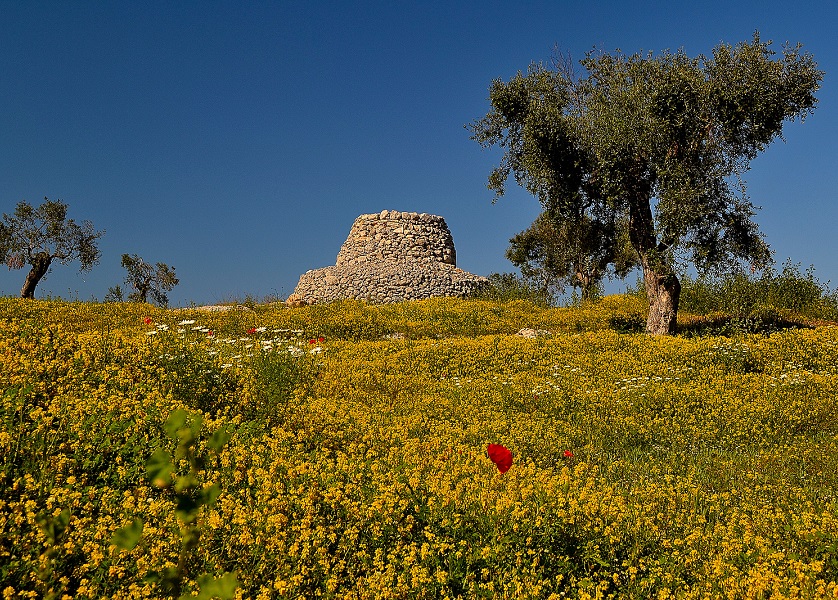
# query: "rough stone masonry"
389, 257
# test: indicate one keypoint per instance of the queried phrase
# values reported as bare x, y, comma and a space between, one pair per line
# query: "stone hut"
389, 257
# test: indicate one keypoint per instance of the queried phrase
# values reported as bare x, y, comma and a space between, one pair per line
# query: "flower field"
340, 451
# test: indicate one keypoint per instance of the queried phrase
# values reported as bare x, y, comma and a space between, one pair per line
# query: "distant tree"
581, 252
662, 141
39, 236
147, 280
115, 294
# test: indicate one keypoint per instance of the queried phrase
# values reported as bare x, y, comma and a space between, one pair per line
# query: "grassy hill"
340, 452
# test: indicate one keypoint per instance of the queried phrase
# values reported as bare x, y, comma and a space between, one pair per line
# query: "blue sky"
238, 141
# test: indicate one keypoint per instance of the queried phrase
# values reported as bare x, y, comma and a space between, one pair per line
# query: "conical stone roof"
389, 257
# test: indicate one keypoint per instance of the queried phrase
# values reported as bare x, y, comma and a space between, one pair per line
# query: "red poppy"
251, 331
147, 320
312, 341
209, 333
501, 456
321, 339
567, 454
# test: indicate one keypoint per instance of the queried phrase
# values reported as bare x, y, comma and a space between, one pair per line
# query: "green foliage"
39, 236
53, 527
276, 376
190, 497
198, 381
558, 252
223, 587
147, 280
128, 537
766, 296
24, 450
655, 143
633, 323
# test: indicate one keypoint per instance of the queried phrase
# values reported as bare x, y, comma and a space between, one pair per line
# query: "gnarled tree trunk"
662, 286
142, 292
586, 283
663, 291
40, 266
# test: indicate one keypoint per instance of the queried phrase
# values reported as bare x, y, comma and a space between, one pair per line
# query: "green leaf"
210, 494
151, 577
159, 468
129, 536
195, 425
187, 433
219, 439
223, 587
190, 536
185, 482
175, 422
53, 527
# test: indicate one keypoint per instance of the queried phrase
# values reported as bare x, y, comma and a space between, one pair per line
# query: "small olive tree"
146, 280
557, 252
38, 236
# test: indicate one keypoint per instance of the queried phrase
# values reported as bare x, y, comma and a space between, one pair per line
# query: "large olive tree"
660, 140
38, 236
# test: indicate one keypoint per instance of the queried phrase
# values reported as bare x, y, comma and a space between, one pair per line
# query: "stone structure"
389, 257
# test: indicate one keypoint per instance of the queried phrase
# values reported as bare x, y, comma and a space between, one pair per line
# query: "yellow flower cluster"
701, 467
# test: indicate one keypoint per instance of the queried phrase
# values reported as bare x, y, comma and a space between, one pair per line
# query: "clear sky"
238, 141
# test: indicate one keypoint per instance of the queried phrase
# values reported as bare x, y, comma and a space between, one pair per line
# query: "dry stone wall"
389, 257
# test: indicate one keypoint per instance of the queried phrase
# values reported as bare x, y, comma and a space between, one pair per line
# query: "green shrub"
746, 295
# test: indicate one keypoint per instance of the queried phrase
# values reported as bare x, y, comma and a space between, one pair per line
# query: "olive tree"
556, 252
38, 236
662, 140
146, 280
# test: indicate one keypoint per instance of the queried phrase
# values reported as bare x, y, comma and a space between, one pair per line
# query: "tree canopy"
39, 236
660, 141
